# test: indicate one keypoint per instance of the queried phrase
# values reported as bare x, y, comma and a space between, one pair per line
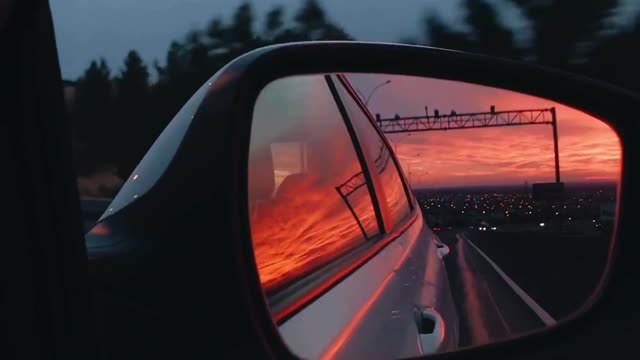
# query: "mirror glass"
396, 216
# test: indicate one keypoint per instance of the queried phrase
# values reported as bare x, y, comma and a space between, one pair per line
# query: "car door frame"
47, 309
411, 200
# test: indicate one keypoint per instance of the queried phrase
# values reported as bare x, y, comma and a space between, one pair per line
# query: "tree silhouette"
489, 35
616, 57
172, 88
559, 27
438, 34
568, 34
273, 22
486, 34
312, 24
132, 102
241, 29
92, 110
310, 17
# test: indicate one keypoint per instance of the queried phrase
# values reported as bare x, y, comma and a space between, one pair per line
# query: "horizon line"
600, 182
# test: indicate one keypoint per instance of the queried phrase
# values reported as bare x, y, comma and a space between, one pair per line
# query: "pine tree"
132, 102
92, 116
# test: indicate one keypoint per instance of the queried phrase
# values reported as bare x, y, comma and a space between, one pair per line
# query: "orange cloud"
589, 149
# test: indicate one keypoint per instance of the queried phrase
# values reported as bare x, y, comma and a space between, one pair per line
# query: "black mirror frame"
227, 111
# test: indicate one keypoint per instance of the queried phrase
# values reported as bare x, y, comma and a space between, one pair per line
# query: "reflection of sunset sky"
589, 149
300, 221
292, 234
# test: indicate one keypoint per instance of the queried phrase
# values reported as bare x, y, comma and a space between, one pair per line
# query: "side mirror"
313, 237
337, 267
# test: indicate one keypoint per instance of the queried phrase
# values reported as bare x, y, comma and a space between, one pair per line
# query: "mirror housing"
262, 66
211, 201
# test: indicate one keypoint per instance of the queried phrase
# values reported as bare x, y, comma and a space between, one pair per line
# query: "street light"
374, 90
366, 102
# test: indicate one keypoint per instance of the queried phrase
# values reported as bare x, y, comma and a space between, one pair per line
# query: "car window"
372, 142
308, 197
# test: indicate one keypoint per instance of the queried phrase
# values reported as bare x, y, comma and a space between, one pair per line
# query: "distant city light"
541, 224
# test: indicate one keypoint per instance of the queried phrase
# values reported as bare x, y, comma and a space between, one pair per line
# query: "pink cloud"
588, 147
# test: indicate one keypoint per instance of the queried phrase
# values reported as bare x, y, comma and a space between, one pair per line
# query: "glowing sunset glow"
293, 233
308, 200
372, 143
589, 150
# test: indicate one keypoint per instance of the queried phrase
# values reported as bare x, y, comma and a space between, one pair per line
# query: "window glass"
378, 151
308, 198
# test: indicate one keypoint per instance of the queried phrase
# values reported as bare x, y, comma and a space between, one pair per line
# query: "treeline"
117, 115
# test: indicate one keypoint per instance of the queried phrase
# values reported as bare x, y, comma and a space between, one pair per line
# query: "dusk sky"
589, 149
87, 29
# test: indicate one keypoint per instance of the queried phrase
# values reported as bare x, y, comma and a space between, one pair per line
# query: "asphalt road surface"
560, 271
507, 284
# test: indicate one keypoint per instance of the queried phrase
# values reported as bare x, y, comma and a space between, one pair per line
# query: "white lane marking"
542, 314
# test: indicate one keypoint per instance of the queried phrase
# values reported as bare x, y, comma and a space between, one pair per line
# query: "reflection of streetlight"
366, 102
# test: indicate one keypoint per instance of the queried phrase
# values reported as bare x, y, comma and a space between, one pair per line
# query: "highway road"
510, 283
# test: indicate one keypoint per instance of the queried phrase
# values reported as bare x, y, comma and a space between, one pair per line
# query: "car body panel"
371, 314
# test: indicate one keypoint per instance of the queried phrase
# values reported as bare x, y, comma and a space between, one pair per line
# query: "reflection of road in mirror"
514, 275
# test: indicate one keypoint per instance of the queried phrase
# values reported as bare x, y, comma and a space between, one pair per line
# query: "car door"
421, 300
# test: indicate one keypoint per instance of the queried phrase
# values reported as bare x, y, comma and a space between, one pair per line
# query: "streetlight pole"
374, 90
